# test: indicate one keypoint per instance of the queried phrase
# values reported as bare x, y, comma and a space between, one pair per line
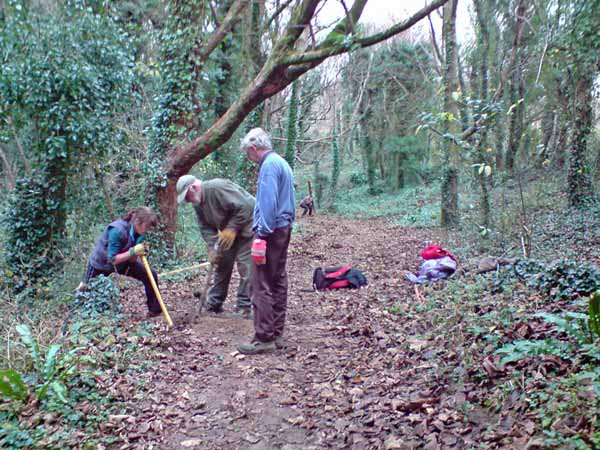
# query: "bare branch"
434, 44
330, 47
312, 36
214, 13
231, 18
537, 78
348, 17
7, 169
24, 159
277, 12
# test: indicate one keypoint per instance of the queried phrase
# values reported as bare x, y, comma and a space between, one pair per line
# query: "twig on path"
419, 298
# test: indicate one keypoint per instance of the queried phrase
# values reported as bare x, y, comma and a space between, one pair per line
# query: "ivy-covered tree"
582, 44
482, 159
336, 164
63, 77
247, 171
391, 85
292, 127
449, 204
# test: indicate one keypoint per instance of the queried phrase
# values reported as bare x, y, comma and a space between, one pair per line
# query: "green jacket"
224, 205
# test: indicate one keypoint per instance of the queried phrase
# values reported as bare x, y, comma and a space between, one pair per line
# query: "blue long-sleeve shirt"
275, 206
114, 241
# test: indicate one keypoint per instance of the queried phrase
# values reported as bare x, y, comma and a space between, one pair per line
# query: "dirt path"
345, 380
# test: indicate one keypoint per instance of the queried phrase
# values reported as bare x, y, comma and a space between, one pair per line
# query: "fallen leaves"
380, 367
190, 443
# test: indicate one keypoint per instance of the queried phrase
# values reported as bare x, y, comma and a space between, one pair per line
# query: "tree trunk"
516, 91
548, 121
559, 145
224, 80
370, 160
482, 157
247, 172
107, 198
380, 159
292, 127
318, 182
515, 127
335, 170
399, 181
449, 216
462, 108
500, 142
449, 188
10, 176
579, 182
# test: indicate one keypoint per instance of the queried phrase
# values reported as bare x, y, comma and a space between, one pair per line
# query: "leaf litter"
379, 367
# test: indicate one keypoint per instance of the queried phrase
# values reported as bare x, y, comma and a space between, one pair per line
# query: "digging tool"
209, 275
158, 296
184, 269
207, 283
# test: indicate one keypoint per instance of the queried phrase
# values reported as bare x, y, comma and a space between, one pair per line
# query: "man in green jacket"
224, 211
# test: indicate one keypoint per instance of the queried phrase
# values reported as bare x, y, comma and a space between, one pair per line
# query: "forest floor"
385, 366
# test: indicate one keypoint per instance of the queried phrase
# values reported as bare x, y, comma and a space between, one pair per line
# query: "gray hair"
256, 137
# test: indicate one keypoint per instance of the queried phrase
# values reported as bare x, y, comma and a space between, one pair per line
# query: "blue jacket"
117, 237
275, 206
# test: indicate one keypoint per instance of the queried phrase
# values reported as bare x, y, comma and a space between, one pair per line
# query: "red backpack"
435, 252
337, 278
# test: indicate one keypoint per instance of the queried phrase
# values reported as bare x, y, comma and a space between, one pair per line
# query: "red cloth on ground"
435, 251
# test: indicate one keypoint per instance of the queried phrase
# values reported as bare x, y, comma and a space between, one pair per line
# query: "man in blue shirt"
274, 214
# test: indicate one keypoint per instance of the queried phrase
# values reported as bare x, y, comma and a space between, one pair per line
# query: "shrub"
358, 178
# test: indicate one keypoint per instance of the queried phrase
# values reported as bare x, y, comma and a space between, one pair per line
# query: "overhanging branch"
231, 18
329, 48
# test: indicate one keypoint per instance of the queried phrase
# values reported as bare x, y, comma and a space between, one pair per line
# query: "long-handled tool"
158, 296
183, 269
207, 283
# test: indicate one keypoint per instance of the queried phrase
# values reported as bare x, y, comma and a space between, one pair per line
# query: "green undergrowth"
523, 337
411, 206
526, 350
62, 356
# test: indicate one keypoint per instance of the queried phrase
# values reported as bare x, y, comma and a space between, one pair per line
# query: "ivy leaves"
62, 79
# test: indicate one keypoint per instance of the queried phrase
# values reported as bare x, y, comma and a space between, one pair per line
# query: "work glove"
139, 250
225, 238
259, 251
214, 257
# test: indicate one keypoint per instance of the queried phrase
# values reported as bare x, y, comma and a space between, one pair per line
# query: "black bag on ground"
327, 278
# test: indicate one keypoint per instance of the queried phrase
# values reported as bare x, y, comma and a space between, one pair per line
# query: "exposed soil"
354, 374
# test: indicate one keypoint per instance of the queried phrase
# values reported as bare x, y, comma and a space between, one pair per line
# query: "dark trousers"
307, 209
269, 287
135, 270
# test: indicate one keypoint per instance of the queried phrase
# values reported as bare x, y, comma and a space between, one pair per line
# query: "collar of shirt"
132, 235
262, 160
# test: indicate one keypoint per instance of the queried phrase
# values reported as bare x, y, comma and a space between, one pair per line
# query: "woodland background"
488, 134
